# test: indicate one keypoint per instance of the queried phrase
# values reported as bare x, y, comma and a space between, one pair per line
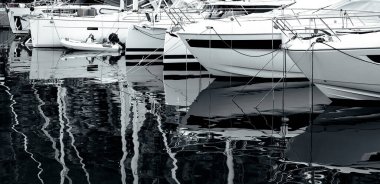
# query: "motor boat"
90, 45
342, 61
150, 37
178, 57
245, 46
344, 67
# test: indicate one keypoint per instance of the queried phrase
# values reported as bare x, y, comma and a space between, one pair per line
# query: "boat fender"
113, 38
31, 8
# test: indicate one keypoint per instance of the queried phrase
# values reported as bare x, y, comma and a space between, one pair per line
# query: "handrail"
331, 23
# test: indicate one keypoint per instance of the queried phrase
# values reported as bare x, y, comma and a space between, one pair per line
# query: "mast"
122, 5
135, 5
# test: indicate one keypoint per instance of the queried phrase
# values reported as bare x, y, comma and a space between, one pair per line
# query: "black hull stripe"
155, 56
179, 57
236, 44
154, 63
144, 49
184, 67
258, 79
354, 103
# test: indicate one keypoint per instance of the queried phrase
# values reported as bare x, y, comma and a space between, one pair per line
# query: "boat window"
61, 11
108, 11
249, 8
222, 11
86, 12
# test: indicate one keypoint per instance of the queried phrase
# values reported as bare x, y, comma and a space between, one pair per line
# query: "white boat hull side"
48, 33
232, 63
145, 41
340, 76
18, 23
177, 57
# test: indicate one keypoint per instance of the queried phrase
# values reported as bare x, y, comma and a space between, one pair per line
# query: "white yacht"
344, 65
340, 58
244, 46
178, 57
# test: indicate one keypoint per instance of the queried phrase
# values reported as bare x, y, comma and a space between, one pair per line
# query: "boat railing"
333, 24
178, 17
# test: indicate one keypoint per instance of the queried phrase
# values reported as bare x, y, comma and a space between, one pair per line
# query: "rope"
347, 54
279, 81
242, 52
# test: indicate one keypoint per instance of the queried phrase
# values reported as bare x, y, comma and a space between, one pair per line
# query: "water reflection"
88, 117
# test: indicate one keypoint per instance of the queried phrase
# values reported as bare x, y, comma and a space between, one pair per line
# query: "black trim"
236, 44
143, 49
92, 28
258, 79
179, 57
374, 58
354, 103
151, 56
193, 66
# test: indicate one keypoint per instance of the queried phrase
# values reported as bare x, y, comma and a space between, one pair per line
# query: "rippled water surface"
85, 117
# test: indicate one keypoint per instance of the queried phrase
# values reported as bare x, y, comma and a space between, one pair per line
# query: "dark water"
74, 117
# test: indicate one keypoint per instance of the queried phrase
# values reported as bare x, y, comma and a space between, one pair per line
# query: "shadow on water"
88, 117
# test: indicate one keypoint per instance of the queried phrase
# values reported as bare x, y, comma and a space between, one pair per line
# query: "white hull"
341, 75
47, 32
145, 41
235, 62
177, 57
